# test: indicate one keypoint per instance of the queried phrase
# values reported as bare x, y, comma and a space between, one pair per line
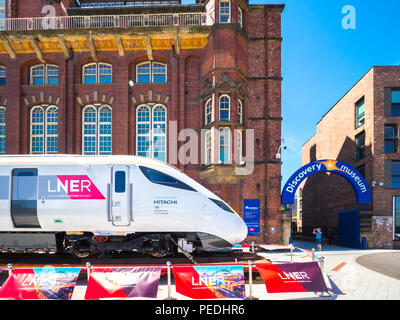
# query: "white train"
89, 205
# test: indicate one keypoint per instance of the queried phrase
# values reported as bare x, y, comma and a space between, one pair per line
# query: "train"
91, 205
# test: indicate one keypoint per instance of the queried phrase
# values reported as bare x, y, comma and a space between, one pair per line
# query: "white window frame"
96, 135
240, 17
208, 147
45, 135
239, 146
226, 133
152, 133
151, 71
208, 111
98, 74
104, 135
3, 126
225, 108
240, 111
225, 14
3, 74
45, 75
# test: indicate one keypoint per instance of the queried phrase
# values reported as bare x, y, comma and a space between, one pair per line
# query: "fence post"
88, 266
169, 281
250, 297
10, 268
313, 254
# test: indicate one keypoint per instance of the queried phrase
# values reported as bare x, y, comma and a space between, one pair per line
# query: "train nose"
241, 230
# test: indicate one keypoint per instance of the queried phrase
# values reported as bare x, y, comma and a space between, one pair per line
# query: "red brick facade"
324, 196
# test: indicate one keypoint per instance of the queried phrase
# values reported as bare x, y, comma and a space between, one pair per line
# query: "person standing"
318, 238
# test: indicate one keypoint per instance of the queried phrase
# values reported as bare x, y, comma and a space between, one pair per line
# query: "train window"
164, 179
120, 181
222, 205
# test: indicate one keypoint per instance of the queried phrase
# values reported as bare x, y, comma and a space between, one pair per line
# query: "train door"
121, 194
24, 198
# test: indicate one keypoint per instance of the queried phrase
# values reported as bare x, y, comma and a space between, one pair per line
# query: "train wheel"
161, 248
81, 253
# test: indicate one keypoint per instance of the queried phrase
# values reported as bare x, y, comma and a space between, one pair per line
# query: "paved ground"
387, 263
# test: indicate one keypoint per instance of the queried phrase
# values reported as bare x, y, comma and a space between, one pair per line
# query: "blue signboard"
252, 216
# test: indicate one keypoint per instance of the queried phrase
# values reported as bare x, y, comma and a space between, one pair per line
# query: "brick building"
362, 129
94, 76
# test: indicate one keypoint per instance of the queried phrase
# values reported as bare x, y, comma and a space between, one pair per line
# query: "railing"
108, 21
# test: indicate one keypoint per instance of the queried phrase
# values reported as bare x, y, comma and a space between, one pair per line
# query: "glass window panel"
224, 108
395, 96
396, 214
120, 181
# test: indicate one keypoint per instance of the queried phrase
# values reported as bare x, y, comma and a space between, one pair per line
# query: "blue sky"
321, 61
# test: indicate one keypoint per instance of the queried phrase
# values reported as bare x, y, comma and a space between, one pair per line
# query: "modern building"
196, 85
361, 129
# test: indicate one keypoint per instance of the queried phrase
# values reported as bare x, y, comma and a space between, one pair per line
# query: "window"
164, 179
239, 147
390, 138
208, 154
120, 178
396, 218
2, 14
151, 132
2, 130
44, 74
208, 112
3, 75
224, 145
97, 73
395, 102
224, 11
360, 145
151, 72
97, 130
44, 129
240, 111
224, 108
360, 113
240, 17
395, 177
222, 205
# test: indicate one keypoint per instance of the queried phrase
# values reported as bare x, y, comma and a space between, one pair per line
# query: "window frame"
396, 236
225, 132
360, 149
151, 133
175, 184
97, 135
360, 118
151, 72
228, 109
391, 174
394, 103
208, 111
47, 127
3, 128
240, 17
3, 69
393, 139
240, 111
45, 75
229, 14
98, 75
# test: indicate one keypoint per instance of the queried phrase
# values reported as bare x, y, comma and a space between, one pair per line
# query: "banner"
210, 282
251, 216
40, 283
124, 282
292, 277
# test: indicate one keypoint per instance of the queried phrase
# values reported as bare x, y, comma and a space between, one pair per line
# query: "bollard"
169, 281
313, 254
250, 297
252, 247
10, 268
88, 266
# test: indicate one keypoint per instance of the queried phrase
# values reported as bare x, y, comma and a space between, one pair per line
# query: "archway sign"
355, 178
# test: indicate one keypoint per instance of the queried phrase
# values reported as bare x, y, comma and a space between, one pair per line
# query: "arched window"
151, 131
224, 11
208, 112
97, 130
44, 74
240, 111
224, 108
3, 73
2, 130
151, 72
51, 134
97, 73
